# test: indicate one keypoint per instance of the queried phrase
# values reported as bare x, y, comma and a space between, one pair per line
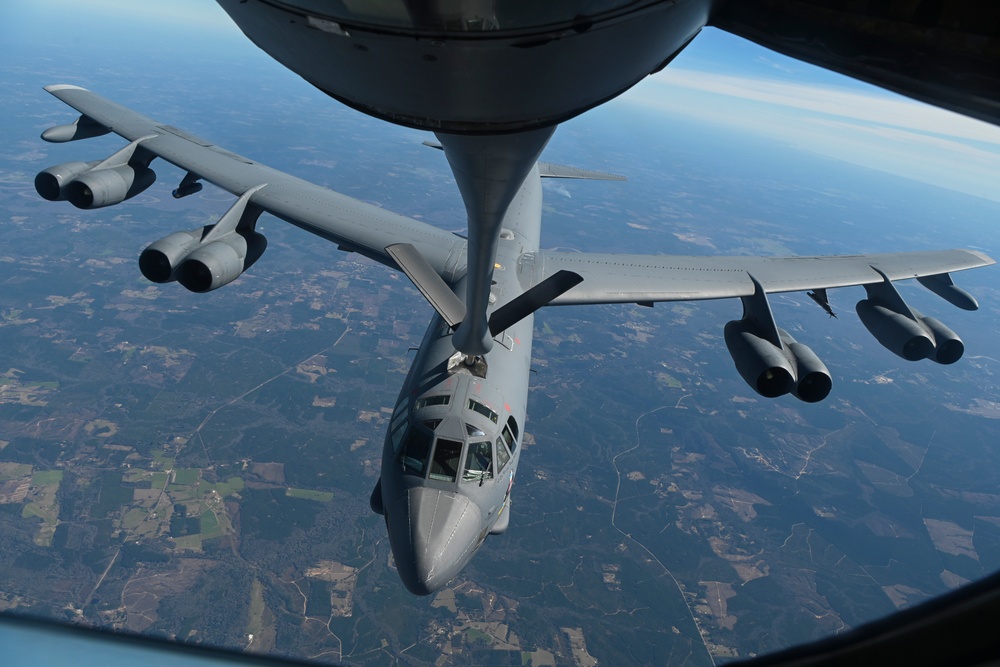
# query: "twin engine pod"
200, 263
200, 260
774, 371
912, 338
87, 187
208, 258
774, 364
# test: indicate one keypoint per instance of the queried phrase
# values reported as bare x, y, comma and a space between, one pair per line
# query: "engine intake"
813, 382
159, 261
774, 371
210, 257
948, 347
105, 187
220, 262
50, 183
762, 365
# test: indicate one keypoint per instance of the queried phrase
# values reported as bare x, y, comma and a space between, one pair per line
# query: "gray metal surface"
520, 74
611, 278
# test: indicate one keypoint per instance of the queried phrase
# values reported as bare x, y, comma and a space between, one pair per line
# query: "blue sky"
734, 83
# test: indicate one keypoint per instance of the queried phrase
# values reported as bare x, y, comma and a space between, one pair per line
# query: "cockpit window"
512, 425
398, 433
508, 438
479, 462
416, 447
474, 431
502, 454
444, 466
431, 400
483, 410
400, 424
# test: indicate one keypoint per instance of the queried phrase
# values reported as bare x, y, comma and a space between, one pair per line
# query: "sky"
734, 83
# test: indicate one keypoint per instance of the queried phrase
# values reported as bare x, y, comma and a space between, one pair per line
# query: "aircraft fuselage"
454, 440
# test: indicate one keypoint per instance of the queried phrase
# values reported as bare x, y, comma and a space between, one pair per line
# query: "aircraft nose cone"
433, 534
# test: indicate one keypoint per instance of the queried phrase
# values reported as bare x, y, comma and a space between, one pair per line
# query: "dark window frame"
484, 410
446, 469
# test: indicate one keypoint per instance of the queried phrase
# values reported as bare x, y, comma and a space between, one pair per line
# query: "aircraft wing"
770, 360
644, 279
942, 53
352, 224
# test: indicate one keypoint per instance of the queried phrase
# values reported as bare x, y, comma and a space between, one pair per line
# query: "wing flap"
609, 278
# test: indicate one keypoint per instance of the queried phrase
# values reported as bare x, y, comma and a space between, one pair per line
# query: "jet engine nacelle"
910, 339
218, 263
50, 183
773, 371
948, 347
105, 187
200, 266
159, 261
813, 382
762, 365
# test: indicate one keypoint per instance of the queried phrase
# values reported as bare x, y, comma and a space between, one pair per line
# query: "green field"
186, 476
112, 496
188, 542
46, 477
162, 460
210, 526
319, 496
255, 622
229, 487
43, 385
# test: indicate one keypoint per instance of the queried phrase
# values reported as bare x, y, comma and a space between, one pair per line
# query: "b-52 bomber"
491, 80
452, 447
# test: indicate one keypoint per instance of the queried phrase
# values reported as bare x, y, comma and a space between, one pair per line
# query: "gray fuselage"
453, 444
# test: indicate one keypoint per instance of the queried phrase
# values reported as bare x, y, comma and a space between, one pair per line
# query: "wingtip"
56, 87
987, 260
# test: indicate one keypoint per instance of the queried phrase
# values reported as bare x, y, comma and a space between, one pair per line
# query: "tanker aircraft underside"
492, 79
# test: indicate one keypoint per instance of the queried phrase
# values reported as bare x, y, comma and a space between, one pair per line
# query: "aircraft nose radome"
432, 533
